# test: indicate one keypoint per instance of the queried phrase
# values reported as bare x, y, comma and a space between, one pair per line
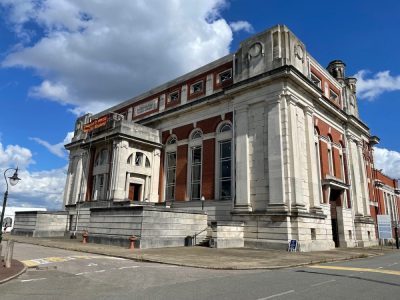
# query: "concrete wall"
155, 227
40, 224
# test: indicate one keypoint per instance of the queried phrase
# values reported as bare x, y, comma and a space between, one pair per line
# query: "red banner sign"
95, 124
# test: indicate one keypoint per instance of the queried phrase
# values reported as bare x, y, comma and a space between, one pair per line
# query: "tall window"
98, 187
330, 157
225, 178
170, 169
318, 161
171, 176
224, 161
195, 164
102, 157
196, 173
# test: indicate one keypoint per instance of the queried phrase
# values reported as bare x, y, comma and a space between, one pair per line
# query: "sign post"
384, 227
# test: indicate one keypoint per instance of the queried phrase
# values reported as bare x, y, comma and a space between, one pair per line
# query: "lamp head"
14, 179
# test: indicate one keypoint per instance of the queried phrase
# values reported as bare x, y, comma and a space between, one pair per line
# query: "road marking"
324, 282
100, 271
35, 279
83, 273
131, 267
393, 264
383, 271
277, 295
30, 263
92, 265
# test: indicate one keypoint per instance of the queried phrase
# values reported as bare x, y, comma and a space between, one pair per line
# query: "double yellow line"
382, 271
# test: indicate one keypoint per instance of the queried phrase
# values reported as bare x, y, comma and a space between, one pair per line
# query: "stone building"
265, 142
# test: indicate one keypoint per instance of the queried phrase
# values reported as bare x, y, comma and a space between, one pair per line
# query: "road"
64, 274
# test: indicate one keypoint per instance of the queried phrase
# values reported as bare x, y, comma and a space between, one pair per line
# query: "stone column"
242, 196
355, 177
314, 184
276, 153
363, 181
295, 180
118, 171
155, 176
77, 179
67, 189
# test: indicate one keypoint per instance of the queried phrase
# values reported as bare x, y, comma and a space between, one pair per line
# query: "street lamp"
13, 181
202, 199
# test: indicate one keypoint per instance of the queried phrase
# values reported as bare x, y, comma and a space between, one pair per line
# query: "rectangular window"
139, 159
196, 87
225, 170
330, 162
196, 173
173, 97
316, 80
225, 76
171, 176
333, 96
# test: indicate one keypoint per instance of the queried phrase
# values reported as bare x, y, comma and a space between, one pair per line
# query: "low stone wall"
155, 227
227, 234
40, 223
217, 210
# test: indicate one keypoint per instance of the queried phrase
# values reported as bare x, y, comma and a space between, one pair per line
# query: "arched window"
129, 160
170, 168
197, 134
147, 164
225, 127
102, 157
139, 159
224, 161
195, 163
172, 140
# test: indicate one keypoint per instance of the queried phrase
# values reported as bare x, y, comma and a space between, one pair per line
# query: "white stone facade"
296, 162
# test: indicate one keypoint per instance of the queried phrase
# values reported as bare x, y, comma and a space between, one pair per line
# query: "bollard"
9, 254
132, 239
85, 236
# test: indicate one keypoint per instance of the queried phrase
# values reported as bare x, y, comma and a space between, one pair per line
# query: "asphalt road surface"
60, 274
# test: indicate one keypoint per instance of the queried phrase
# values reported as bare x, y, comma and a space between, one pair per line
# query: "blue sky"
60, 58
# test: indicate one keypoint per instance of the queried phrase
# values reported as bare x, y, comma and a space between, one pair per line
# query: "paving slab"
203, 257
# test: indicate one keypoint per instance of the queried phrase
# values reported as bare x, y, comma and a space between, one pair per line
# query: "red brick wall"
330, 84
181, 173
208, 172
208, 176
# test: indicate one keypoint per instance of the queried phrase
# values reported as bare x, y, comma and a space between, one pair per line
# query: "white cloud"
241, 25
39, 189
91, 59
57, 149
43, 188
388, 161
377, 84
15, 156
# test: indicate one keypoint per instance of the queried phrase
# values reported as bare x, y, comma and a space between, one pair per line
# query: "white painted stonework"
278, 188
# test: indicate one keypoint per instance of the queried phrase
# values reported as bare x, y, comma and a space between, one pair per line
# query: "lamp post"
13, 181
202, 199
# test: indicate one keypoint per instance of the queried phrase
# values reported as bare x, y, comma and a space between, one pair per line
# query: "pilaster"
276, 172
242, 198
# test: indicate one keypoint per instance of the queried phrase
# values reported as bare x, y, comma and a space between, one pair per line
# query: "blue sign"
292, 246
384, 227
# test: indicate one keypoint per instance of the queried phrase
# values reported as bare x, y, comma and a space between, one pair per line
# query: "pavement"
199, 257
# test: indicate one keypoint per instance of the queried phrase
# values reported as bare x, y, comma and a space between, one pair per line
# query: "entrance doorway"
334, 201
135, 190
